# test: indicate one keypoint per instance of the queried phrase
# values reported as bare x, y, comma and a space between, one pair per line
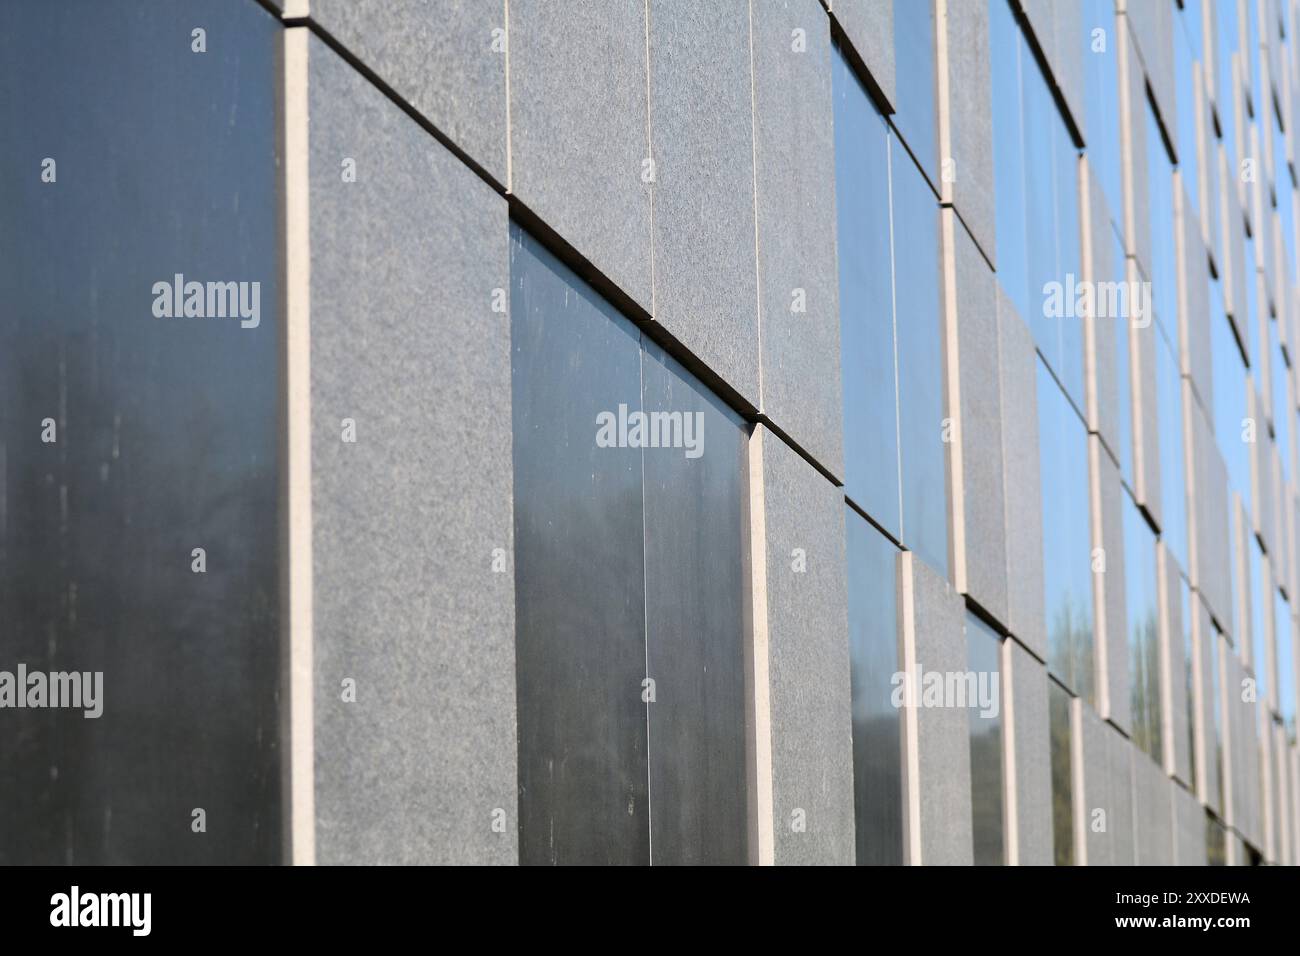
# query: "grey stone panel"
869, 27
1239, 555
1067, 59
1207, 185
795, 173
1100, 355
1208, 526
1232, 266
1261, 469
1094, 810
1207, 736
1266, 670
1029, 787
968, 119
1110, 627
808, 669
936, 740
438, 56
975, 407
1133, 150
1120, 823
1189, 827
1241, 758
1026, 613
1152, 813
579, 136
1285, 816
1173, 679
411, 512
1195, 358
1143, 343
1152, 26
701, 119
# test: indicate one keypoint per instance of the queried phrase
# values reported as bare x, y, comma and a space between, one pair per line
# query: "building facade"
649, 431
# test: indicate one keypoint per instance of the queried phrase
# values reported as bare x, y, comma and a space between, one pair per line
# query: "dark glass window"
1160, 203
630, 567
1282, 637
1189, 674
914, 87
1186, 112
1214, 733
1216, 842
1068, 359
1285, 197
1036, 174
1230, 391
1101, 66
1258, 595
1142, 603
1067, 541
1282, 407
983, 651
165, 435
866, 302
873, 650
890, 329
1250, 55
1173, 473
1059, 703
1253, 316
1009, 156
1225, 33
1123, 371
918, 324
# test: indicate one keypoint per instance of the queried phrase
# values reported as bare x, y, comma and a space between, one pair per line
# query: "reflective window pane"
1225, 34
919, 328
1160, 200
1041, 207
1216, 842
1254, 319
579, 572
983, 649
1258, 595
1008, 156
866, 297
1230, 391
1173, 468
914, 86
1283, 638
1068, 363
1186, 134
1214, 733
1281, 407
873, 651
631, 493
1285, 198
696, 580
1123, 373
1142, 603
1062, 736
1067, 543
165, 440
1101, 107
1250, 52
